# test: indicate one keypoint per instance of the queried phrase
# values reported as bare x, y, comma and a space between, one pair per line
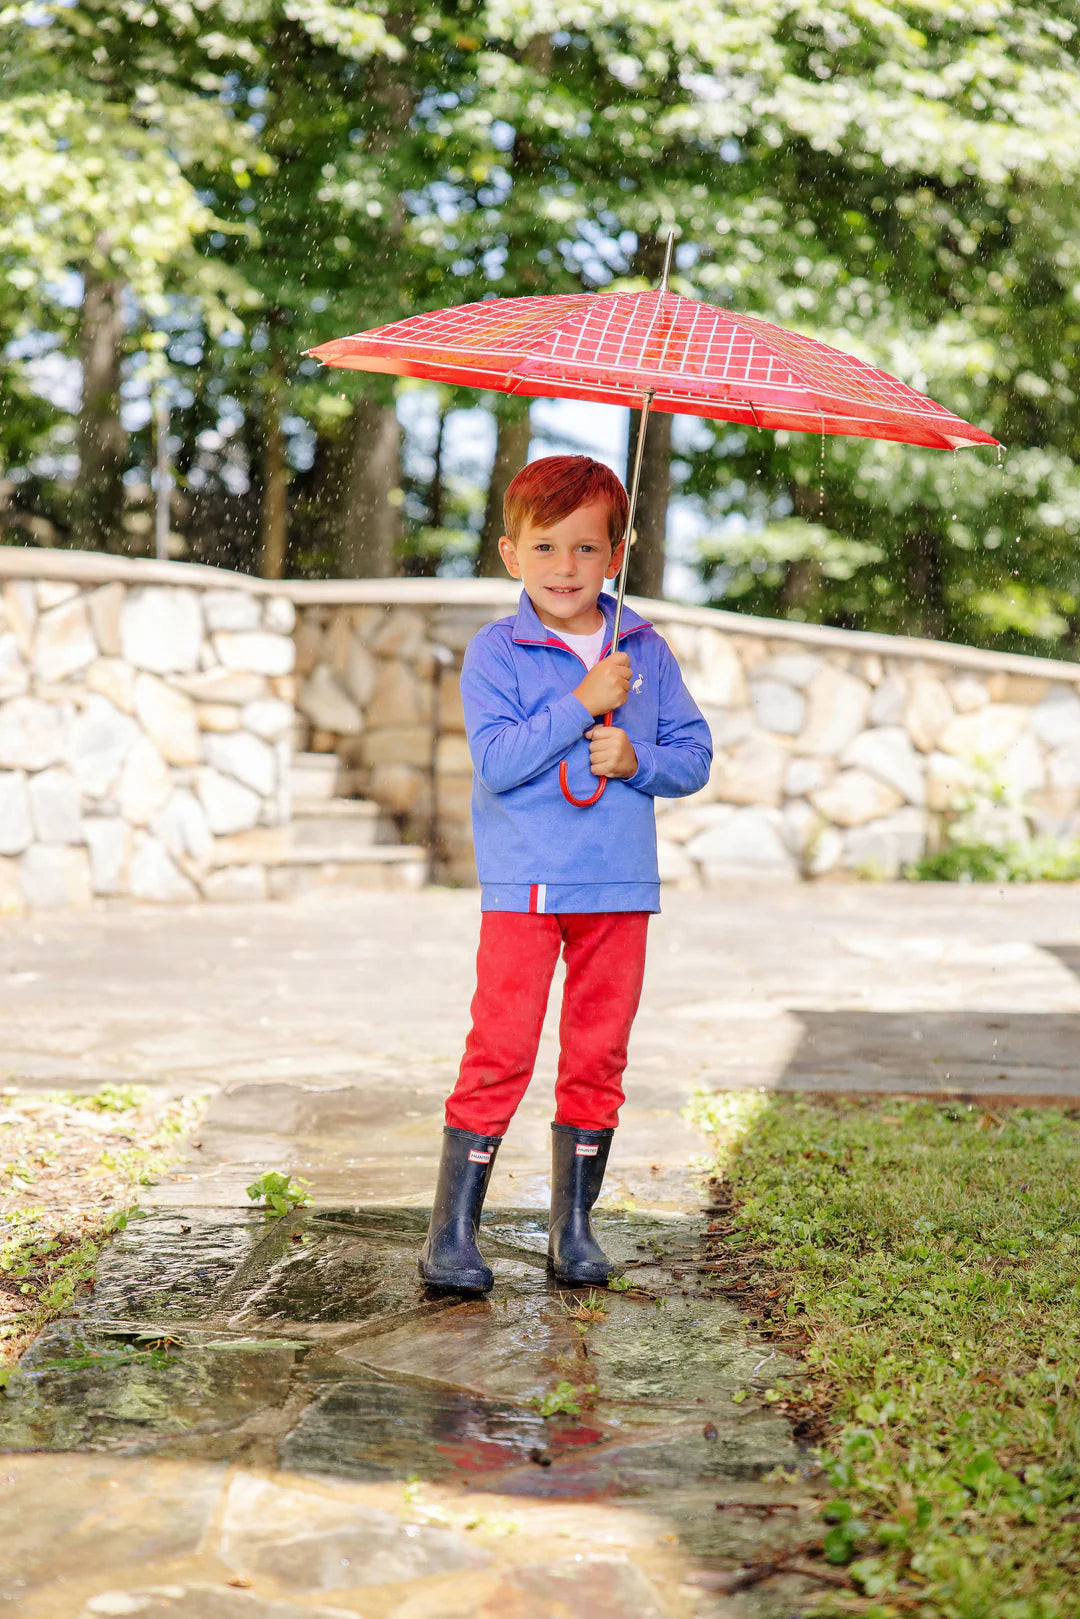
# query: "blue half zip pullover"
534, 850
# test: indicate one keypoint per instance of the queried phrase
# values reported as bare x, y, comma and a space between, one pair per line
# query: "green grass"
931, 1252
1042, 860
66, 1186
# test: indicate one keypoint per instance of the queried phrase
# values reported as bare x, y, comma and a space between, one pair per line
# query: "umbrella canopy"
688, 357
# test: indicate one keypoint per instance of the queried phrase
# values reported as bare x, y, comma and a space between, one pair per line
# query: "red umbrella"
690, 358
655, 350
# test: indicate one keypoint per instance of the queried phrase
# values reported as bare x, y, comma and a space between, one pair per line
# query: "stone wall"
379, 685
145, 729
836, 752
147, 713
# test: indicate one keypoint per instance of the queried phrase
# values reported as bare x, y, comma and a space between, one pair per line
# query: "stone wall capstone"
148, 712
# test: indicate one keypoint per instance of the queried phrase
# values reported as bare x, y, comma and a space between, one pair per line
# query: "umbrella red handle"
564, 780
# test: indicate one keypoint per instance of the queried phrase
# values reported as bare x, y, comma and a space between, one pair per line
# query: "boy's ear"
616, 561
508, 552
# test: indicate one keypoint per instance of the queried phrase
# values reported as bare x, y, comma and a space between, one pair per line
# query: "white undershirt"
587, 647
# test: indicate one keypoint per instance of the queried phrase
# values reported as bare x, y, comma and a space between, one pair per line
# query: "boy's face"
563, 568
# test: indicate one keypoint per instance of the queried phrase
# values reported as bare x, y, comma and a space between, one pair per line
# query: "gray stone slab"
196, 1601
168, 1266
374, 1428
602, 1588
73, 1514
80, 1389
624, 1467
304, 1542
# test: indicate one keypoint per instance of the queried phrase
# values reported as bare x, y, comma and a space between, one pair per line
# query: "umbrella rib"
648, 333
613, 310
725, 369
695, 317
667, 342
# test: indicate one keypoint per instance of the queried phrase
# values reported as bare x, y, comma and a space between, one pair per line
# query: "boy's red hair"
546, 491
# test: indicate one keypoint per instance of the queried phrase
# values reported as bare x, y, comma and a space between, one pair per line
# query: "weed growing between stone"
929, 1254
564, 1400
70, 1166
279, 1194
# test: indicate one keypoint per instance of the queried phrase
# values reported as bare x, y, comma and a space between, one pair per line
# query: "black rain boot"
450, 1257
578, 1161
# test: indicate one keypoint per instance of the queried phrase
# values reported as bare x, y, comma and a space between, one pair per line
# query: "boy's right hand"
606, 684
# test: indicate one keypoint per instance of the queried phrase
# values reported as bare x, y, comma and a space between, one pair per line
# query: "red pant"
605, 962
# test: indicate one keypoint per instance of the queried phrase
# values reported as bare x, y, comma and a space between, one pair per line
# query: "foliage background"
193, 192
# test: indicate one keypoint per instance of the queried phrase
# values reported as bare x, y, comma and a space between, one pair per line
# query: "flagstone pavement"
274, 1420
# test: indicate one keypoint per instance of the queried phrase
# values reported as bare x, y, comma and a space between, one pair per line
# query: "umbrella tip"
667, 260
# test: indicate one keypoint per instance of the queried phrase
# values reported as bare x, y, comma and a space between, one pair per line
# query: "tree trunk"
98, 522
370, 521
803, 579
801, 589
435, 489
924, 583
511, 453
646, 575
274, 524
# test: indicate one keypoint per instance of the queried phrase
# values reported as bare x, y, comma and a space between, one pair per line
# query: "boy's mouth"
562, 590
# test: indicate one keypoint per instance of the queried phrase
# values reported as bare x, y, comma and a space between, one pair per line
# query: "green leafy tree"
232, 184
108, 112
908, 199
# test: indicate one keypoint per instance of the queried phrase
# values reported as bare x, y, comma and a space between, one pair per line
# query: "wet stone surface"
309, 1346
169, 1265
81, 1389
198, 1324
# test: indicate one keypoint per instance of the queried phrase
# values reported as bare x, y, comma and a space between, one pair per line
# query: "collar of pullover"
528, 630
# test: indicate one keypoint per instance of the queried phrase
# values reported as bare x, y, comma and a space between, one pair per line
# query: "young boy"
535, 689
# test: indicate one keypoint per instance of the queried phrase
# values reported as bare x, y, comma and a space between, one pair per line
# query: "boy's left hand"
611, 753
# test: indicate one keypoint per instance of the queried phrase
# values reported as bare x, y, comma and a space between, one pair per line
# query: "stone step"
382, 866
314, 776
347, 861
353, 823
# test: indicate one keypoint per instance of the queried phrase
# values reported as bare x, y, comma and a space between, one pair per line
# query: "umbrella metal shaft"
628, 537
635, 480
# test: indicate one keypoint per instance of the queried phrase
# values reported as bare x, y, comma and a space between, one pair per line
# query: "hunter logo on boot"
478, 1157
583, 1151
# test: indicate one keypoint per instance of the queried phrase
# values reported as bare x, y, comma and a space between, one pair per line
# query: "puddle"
377, 1429
166, 1265
311, 1344
77, 1389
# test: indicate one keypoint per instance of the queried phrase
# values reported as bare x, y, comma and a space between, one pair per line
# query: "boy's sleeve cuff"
646, 769
578, 717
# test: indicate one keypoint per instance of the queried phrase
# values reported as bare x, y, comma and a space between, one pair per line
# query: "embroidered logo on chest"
638, 683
